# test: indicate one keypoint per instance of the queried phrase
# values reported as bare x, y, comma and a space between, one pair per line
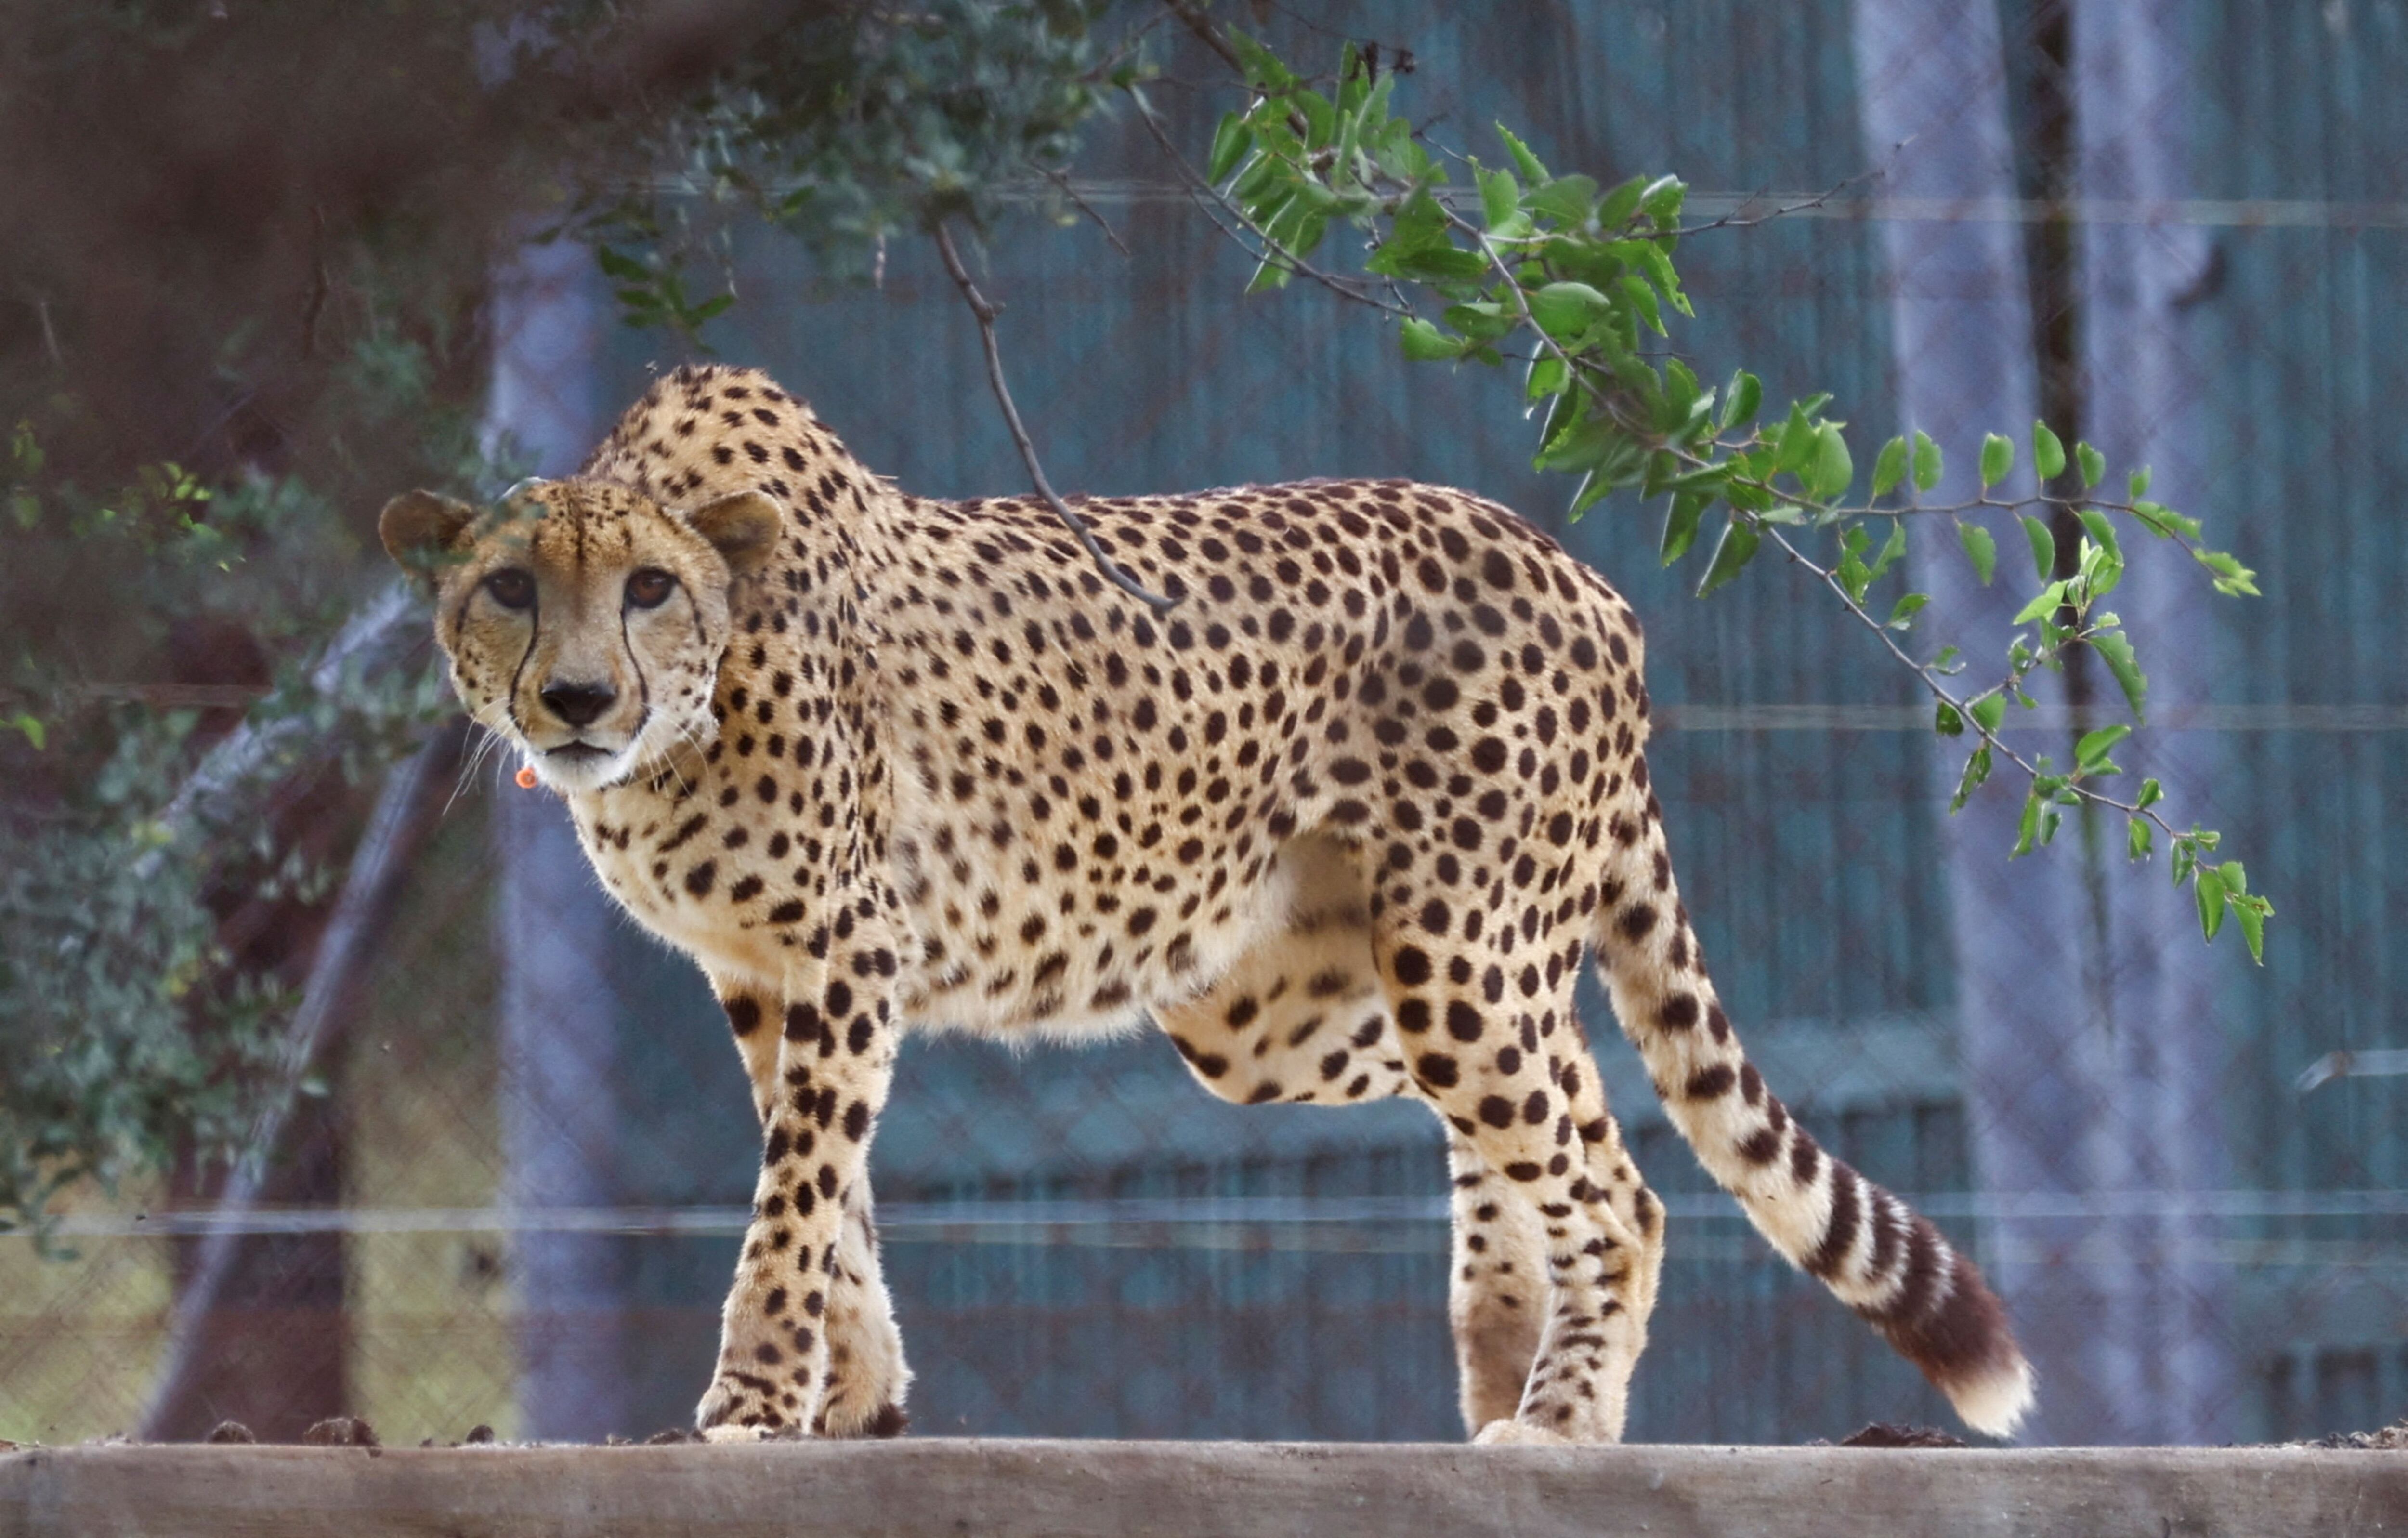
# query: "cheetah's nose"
578, 703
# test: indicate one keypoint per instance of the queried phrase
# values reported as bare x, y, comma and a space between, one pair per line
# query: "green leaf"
1425, 343
1483, 322
1662, 198
1548, 376
1927, 461
1231, 143
1832, 466
1651, 256
1524, 161
1320, 118
1566, 200
2170, 521
1893, 549
2210, 888
2091, 750
2093, 464
1642, 299
2048, 452
1997, 460
2114, 648
1889, 467
1564, 310
2136, 485
1731, 555
2102, 531
1797, 441
30, 727
2043, 546
2151, 793
1681, 524
2027, 827
1264, 70
1977, 771
1901, 614
2139, 842
1619, 204
1981, 548
2045, 603
1946, 721
1740, 401
1988, 711
2250, 914
1500, 196
626, 268
2233, 579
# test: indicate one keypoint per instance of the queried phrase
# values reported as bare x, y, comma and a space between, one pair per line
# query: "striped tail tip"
1968, 1350
1995, 1402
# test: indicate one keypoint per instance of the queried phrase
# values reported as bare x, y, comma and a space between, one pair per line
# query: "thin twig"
315, 305
1732, 221
1061, 178
986, 312
1941, 693
1193, 17
49, 332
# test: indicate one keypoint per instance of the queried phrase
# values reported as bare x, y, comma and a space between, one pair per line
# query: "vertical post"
1933, 96
554, 929
2137, 282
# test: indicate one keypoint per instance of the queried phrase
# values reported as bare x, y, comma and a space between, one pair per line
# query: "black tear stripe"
535, 633
635, 664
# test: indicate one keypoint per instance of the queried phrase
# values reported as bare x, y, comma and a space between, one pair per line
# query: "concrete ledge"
1175, 1489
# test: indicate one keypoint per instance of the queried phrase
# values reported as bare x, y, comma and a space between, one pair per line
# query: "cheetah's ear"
744, 528
420, 529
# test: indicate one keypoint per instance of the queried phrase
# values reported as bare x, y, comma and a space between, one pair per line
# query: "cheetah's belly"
1008, 942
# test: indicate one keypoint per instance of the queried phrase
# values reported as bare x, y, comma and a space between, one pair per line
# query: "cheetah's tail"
1876, 1253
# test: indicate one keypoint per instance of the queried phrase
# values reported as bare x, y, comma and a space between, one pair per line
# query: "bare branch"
1062, 180
1738, 218
1192, 16
986, 312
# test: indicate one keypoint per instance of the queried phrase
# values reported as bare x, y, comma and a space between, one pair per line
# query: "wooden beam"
1071, 1489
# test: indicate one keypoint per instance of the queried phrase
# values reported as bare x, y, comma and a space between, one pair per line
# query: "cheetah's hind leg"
1300, 1018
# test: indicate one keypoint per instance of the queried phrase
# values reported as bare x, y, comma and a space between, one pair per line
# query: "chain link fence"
510, 1191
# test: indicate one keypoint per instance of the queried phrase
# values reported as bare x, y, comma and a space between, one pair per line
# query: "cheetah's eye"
512, 587
650, 588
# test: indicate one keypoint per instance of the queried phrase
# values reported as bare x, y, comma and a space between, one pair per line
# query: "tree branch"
986, 312
405, 813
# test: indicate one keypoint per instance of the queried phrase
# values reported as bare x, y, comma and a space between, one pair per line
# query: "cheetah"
1343, 822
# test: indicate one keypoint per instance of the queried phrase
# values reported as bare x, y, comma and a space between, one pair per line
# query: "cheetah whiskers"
490, 741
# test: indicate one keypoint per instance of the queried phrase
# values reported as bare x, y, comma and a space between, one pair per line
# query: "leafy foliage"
849, 127
1577, 282
241, 330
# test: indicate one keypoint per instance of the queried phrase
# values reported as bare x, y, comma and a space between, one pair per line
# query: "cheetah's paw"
1516, 1433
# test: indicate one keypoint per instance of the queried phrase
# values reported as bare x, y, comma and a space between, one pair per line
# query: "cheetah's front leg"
867, 1377
835, 1057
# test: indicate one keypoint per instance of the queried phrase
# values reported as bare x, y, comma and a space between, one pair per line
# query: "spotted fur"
1344, 823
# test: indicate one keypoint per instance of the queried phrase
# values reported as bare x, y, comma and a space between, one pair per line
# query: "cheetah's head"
584, 622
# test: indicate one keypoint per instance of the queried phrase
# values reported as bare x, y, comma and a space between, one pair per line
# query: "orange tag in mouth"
526, 778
